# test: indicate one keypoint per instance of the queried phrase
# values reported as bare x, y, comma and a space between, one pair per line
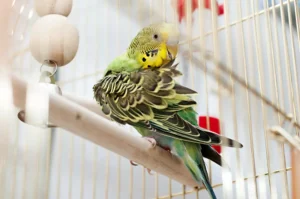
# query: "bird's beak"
173, 43
170, 34
171, 38
165, 36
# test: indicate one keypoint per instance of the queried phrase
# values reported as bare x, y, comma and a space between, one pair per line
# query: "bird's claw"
197, 188
132, 163
149, 171
151, 140
166, 149
153, 144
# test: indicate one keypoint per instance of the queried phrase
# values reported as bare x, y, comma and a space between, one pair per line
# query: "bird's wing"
151, 98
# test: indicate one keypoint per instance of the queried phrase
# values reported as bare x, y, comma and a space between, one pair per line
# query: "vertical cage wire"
257, 38
274, 92
239, 171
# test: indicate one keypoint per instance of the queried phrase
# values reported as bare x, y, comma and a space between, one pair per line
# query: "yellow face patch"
155, 58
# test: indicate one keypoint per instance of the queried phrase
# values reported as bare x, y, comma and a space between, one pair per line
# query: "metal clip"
46, 82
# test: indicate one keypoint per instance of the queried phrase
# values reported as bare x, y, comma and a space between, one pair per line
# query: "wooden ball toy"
54, 38
46, 7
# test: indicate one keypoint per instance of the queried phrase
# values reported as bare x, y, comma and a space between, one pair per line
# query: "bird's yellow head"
155, 44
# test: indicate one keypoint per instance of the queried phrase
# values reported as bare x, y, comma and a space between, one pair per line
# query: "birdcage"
242, 57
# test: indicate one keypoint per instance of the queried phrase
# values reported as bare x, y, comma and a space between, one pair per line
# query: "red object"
214, 127
207, 5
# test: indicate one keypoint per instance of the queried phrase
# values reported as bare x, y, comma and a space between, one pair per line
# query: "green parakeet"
155, 45
150, 100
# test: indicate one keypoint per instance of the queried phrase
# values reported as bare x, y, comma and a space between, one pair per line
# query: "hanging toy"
54, 42
46, 7
54, 38
214, 126
207, 4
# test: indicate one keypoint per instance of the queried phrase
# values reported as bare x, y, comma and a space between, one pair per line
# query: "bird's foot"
196, 188
151, 140
134, 164
153, 144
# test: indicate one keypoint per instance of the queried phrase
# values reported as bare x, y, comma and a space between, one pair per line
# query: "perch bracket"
282, 135
46, 82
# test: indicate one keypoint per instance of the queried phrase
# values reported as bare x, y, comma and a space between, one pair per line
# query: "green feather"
122, 63
189, 115
132, 96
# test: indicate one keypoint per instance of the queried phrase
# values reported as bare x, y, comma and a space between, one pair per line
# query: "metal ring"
50, 62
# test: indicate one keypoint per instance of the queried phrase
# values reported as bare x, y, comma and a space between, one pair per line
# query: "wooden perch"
90, 104
87, 124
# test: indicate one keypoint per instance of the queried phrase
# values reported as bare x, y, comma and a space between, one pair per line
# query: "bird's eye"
155, 36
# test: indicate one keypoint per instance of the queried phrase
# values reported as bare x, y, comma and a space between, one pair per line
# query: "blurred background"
254, 40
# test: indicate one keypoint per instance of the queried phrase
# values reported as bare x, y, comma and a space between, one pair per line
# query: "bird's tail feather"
217, 139
211, 154
199, 173
208, 185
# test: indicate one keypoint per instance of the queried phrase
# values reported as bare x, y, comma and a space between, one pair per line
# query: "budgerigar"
154, 45
161, 41
149, 99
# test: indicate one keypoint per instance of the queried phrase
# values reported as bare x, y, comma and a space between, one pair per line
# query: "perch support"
87, 124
